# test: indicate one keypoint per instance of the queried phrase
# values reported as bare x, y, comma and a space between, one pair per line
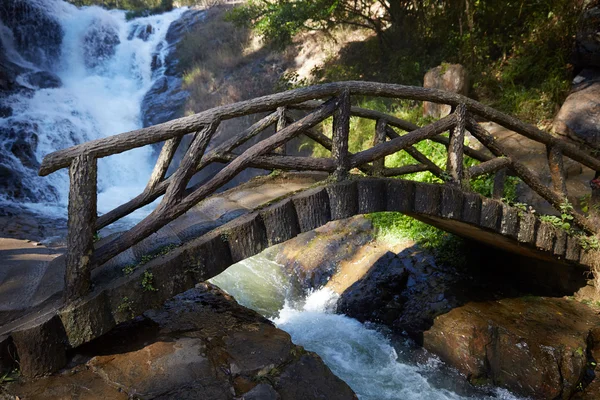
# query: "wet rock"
100, 42
44, 80
164, 101
37, 34
142, 32
313, 257
200, 344
450, 77
536, 347
579, 116
377, 297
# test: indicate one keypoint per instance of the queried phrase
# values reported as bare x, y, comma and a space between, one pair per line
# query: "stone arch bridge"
97, 294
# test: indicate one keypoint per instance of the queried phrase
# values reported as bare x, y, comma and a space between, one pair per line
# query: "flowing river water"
376, 364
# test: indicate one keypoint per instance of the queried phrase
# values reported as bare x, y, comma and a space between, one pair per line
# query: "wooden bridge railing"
266, 154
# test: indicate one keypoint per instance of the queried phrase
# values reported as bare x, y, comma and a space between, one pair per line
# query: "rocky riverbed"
200, 344
491, 331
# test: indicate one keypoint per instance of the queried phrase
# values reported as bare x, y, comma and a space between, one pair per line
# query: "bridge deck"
117, 297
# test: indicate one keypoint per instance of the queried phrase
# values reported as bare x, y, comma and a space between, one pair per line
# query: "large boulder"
43, 80
199, 345
579, 116
534, 346
450, 77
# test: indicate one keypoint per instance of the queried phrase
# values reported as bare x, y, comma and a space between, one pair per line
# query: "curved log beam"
161, 132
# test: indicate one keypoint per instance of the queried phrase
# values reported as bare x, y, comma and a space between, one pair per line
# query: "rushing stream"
105, 65
376, 365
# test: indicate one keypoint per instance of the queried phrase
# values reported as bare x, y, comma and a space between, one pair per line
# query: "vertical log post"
557, 170
81, 224
281, 123
341, 132
499, 183
454, 165
380, 136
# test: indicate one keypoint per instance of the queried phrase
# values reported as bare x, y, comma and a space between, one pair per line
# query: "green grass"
394, 227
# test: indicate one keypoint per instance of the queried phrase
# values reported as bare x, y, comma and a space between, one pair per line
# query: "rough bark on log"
380, 136
162, 163
454, 165
186, 169
557, 170
499, 184
281, 123
341, 132
286, 163
405, 169
488, 167
81, 224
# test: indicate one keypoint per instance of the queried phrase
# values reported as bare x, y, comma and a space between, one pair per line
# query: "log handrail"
158, 133
315, 104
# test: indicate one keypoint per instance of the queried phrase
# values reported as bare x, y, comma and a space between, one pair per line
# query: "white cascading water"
371, 363
98, 98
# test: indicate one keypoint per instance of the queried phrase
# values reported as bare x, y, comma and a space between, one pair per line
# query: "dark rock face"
100, 42
534, 346
44, 80
579, 116
166, 99
142, 32
199, 345
587, 48
404, 291
37, 35
377, 297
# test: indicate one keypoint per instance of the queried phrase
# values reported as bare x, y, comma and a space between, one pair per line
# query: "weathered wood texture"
454, 165
162, 163
380, 137
341, 132
81, 224
557, 170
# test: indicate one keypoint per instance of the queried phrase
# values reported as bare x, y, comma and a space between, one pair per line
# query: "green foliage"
9, 376
126, 306
146, 258
394, 226
565, 219
148, 282
589, 243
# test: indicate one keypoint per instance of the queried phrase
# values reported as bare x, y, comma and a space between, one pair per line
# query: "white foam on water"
362, 356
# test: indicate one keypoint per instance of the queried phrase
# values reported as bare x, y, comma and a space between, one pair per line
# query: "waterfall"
81, 76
